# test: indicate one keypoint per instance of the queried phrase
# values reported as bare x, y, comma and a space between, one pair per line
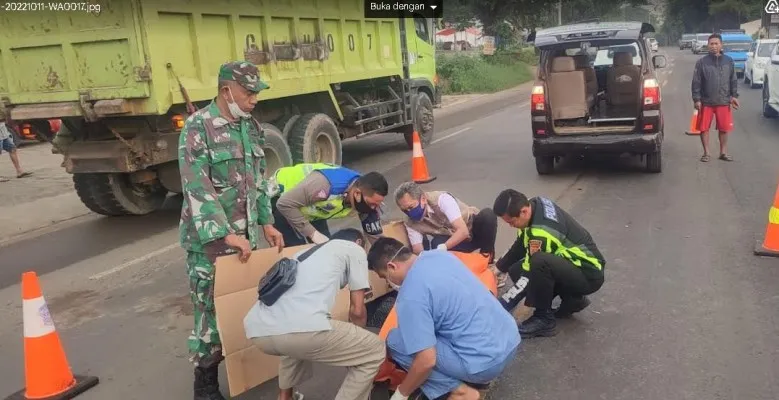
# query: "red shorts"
721, 113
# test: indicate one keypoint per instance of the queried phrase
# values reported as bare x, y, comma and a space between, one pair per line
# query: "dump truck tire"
314, 138
277, 153
422, 112
114, 195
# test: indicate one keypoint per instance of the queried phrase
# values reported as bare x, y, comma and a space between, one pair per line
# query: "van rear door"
52, 56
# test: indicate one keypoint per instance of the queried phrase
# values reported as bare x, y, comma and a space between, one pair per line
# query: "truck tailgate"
54, 56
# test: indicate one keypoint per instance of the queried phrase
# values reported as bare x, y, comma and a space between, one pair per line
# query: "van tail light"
651, 92
537, 98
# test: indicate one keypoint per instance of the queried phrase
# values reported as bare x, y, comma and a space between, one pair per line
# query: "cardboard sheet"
235, 292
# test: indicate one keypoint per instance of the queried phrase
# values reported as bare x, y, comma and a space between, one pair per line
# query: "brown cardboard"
235, 292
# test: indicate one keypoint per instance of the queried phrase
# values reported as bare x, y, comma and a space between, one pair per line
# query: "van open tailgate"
52, 56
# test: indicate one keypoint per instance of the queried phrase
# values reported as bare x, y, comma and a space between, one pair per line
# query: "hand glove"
441, 247
318, 238
398, 396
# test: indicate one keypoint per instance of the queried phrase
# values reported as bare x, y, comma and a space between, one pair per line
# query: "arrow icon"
433, 7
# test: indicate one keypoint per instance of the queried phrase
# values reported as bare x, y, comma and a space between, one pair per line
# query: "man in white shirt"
438, 220
7, 144
298, 327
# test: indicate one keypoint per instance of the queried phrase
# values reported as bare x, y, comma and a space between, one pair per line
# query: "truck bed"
134, 47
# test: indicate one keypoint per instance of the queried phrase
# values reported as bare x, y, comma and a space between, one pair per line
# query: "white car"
653, 44
758, 58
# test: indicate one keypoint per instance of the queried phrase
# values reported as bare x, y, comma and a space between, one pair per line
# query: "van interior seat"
623, 81
567, 90
590, 77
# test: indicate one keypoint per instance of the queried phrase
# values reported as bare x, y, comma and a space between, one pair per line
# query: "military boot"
207, 383
571, 305
542, 323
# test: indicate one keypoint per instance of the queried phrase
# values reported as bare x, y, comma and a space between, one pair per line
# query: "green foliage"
692, 16
460, 74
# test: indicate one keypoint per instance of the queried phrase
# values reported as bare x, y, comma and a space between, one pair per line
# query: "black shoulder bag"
280, 277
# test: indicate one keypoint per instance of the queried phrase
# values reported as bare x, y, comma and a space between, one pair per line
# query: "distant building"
752, 27
452, 39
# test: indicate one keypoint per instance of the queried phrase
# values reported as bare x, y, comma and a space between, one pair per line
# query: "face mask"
392, 284
234, 109
416, 213
361, 206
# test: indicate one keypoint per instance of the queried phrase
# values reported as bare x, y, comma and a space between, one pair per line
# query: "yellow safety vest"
332, 207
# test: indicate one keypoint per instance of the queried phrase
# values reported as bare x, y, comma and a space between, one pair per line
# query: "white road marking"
170, 247
450, 135
134, 262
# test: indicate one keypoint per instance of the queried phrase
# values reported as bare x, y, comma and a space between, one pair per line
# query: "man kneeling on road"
451, 331
452, 224
298, 327
311, 194
553, 255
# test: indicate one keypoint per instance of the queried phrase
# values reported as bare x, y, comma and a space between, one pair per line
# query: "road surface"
687, 312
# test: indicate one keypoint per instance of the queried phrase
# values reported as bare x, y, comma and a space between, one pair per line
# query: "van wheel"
544, 165
277, 153
654, 162
313, 138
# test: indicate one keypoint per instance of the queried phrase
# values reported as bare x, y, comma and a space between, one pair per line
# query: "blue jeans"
449, 371
7, 144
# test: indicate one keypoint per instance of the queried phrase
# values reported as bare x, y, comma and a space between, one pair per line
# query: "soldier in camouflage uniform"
225, 202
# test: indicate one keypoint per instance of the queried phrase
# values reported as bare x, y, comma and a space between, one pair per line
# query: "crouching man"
452, 224
451, 331
298, 327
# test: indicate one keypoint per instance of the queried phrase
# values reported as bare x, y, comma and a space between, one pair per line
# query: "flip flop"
705, 158
23, 174
2, 179
726, 157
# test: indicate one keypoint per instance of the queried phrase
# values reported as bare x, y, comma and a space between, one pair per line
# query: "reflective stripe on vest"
572, 253
339, 177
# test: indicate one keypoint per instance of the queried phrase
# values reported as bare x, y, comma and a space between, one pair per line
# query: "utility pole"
559, 12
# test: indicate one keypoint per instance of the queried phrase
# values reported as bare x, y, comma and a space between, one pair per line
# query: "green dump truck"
120, 74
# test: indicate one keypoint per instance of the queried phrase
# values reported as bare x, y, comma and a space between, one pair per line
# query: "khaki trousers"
346, 345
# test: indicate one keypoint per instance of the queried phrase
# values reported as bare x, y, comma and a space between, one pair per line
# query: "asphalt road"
687, 312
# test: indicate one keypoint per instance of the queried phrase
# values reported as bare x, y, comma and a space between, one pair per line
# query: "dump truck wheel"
422, 109
286, 123
115, 195
314, 138
277, 153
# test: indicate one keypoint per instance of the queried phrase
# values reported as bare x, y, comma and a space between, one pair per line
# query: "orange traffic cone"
694, 123
419, 172
770, 245
46, 369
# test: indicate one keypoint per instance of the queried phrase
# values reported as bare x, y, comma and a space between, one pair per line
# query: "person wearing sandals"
714, 92
7, 145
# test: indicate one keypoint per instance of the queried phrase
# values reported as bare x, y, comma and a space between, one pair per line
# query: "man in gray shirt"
299, 329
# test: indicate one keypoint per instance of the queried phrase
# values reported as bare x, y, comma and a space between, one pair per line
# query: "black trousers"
291, 236
550, 276
483, 233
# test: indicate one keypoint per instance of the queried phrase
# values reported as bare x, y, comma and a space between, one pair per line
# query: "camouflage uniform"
222, 173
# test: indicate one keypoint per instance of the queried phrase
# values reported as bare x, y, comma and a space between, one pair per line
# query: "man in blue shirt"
451, 331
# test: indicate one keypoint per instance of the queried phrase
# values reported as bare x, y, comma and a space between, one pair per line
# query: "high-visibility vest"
340, 178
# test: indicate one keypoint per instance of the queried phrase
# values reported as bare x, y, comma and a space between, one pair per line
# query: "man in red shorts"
714, 92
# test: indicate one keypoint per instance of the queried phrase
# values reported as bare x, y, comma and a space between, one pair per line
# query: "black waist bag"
280, 277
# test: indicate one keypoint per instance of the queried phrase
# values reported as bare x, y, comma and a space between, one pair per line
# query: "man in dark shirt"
553, 255
714, 92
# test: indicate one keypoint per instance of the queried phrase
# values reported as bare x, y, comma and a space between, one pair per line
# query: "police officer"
552, 255
225, 202
311, 194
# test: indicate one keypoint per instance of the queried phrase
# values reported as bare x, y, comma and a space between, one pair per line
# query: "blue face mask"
416, 213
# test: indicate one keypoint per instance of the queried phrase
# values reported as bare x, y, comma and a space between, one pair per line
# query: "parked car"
596, 93
686, 41
771, 86
653, 44
701, 44
758, 58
